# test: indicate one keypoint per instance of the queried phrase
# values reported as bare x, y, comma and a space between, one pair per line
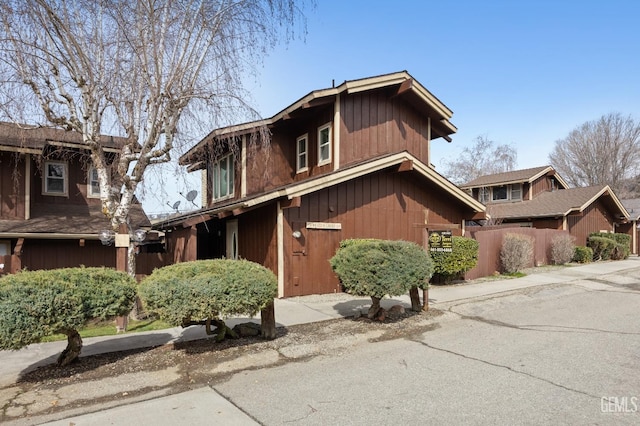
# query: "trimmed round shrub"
516, 252
35, 304
602, 247
376, 268
208, 289
583, 254
453, 265
562, 249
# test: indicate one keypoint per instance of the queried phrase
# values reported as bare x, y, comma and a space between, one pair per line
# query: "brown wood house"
350, 161
50, 210
540, 198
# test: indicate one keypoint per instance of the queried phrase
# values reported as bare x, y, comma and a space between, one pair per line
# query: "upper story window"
500, 193
302, 159
324, 144
516, 191
93, 185
223, 181
483, 195
55, 178
511, 192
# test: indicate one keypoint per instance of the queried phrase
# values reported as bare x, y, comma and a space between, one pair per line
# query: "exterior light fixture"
297, 234
106, 237
139, 235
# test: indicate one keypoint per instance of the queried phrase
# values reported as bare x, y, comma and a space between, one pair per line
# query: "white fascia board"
49, 236
613, 196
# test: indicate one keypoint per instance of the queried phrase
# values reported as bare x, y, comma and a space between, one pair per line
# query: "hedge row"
609, 246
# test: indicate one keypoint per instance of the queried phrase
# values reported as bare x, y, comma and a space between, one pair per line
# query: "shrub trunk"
375, 307
268, 322
425, 299
415, 299
72, 351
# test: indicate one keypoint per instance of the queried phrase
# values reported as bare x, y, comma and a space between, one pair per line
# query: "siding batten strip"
280, 254
243, 173
27, 187
336, 133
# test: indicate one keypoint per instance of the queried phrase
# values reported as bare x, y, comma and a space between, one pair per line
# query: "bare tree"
146, 70
603, 151
484, 157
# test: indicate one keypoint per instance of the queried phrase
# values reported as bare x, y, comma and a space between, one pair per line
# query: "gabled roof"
33, 139
52, 221
633, 207
405, 85
558, 204
514, 176
308, 186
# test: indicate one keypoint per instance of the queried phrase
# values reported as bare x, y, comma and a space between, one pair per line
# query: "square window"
500, 193
324, 144
301, 154
483, 195
55, 178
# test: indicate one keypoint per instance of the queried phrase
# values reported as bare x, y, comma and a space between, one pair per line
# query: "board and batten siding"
594, 218
382, 205
375, 123
257, 239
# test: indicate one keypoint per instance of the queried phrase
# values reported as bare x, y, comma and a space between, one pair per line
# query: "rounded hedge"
35, 304
376, 268
207, 289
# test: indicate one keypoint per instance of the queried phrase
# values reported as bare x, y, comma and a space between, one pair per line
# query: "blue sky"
523, 72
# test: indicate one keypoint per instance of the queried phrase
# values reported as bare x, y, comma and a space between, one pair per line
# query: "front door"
232, 239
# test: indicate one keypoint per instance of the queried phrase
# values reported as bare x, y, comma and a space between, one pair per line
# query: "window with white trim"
93, 185
516, 192
500, 193
483, 195
223, 179
302, 158
324, 144
55, 178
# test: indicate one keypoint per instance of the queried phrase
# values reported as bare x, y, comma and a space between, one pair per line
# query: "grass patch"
108, 328
515, 274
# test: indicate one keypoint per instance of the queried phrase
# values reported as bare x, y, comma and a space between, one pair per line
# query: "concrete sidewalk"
177, 409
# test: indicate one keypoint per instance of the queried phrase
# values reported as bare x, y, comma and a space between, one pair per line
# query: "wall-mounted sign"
323, 225
440, 241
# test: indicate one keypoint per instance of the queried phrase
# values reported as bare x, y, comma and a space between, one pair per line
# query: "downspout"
280, 250
565, 223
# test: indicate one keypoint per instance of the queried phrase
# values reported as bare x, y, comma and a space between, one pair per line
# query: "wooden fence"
490, 241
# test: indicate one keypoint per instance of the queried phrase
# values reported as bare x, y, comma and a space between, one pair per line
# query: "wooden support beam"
294, 202
478, 216
404, 87
405, 166
224, 214
196, 220
17, 250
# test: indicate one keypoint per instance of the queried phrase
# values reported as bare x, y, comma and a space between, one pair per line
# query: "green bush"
516, 252
583, 254
602, 247
562, 249
377, 268
35, 304
449, 266
208, 289
605, 250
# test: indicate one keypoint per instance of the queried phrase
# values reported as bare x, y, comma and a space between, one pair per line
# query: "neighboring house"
350, 161
540, 198
633, 227
50, 210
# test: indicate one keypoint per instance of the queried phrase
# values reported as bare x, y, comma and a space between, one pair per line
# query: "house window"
500, 193
93, 185
5, 248
55, 178
301, 153
516, 191
324, 144
223, 178
483, 195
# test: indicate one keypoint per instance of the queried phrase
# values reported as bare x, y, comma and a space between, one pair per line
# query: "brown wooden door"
311, 272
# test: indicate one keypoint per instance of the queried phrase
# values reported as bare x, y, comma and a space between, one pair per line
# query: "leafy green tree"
450, 265
35, 304
376, 268
205, 291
